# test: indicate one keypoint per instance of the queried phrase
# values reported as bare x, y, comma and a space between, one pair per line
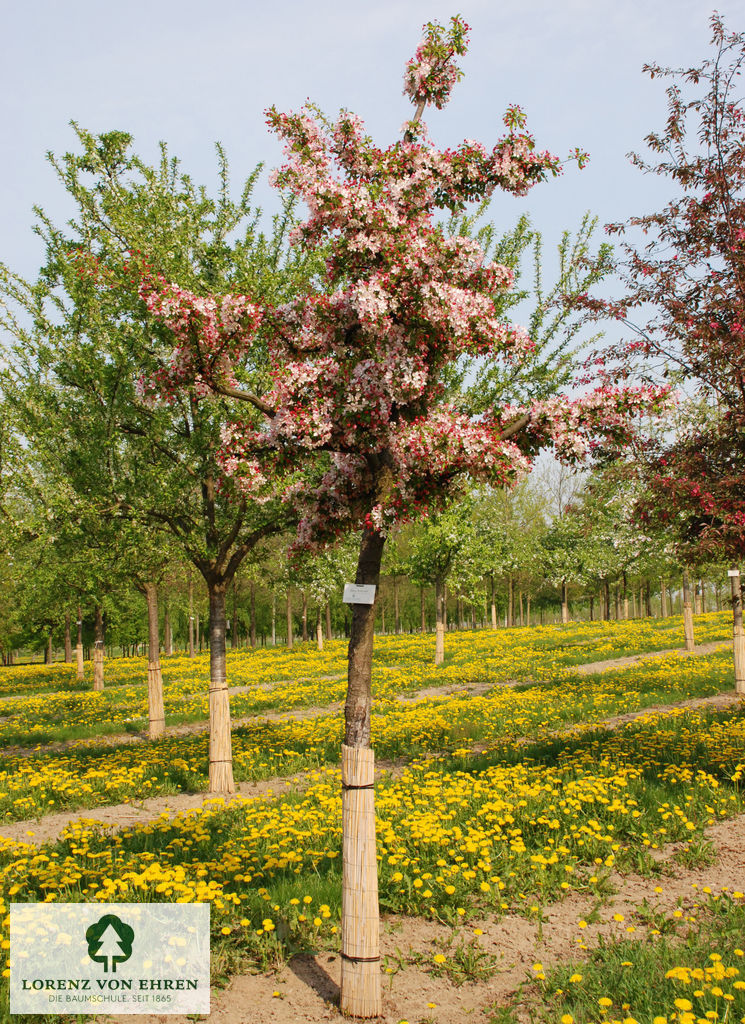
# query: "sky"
192, 73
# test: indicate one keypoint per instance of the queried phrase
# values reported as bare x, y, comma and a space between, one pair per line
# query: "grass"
695, 968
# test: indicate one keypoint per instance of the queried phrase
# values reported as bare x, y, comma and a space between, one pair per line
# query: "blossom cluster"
359, 427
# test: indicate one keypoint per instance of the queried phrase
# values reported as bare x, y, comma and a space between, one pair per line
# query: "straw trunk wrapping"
360, 966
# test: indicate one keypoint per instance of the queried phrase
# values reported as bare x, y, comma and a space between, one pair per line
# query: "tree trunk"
493, 605
687, 613
617, 597
510, 603
252, 615
80, 675
274, 620
396, 609
167, 631
360, 938
592, 608
703, 597
68, 640
221, 750
445, 596
49, 653
738, 635
718, 596
606, 600
191, 617
648, 599
98, 651
625, 598
156, 711
422, 610
527, 611
382, 618
564, 602
319, 629
328, 621
663, 599
520, 606
289, 618
439, 622
233, 625
305, 616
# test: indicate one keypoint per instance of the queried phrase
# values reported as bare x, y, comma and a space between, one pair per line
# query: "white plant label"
733, 572
359, 593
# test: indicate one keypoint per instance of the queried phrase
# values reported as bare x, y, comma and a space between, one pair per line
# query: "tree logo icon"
109, 942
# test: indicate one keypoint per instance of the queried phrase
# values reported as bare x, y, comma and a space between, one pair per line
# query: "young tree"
83, 341
692, 274
361, 413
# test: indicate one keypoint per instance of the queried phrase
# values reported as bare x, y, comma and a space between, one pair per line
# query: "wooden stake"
360, 951
738, 634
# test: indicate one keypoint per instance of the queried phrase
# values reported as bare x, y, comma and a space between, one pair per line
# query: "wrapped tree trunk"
527, 611
687, 613
156, 710
252, 614
167, 631
625, 597
80, 675
68, 639
439, 622
663, 599
319, 629
289, 618
360, 938
328, 621
98, 650
221, 742
520, 606
564, 602
305, 616
738, 635
493, 605
191, 617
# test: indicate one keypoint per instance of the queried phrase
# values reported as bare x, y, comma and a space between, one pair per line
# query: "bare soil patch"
306, 989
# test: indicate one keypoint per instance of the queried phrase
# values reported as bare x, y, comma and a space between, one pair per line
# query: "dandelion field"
507, 791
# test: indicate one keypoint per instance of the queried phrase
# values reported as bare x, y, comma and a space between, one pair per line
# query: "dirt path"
306, 989
634, 659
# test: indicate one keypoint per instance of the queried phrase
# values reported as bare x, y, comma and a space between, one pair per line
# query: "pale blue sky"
192, 73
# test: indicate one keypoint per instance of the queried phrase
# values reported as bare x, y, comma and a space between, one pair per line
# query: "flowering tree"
360, 431
692, 274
